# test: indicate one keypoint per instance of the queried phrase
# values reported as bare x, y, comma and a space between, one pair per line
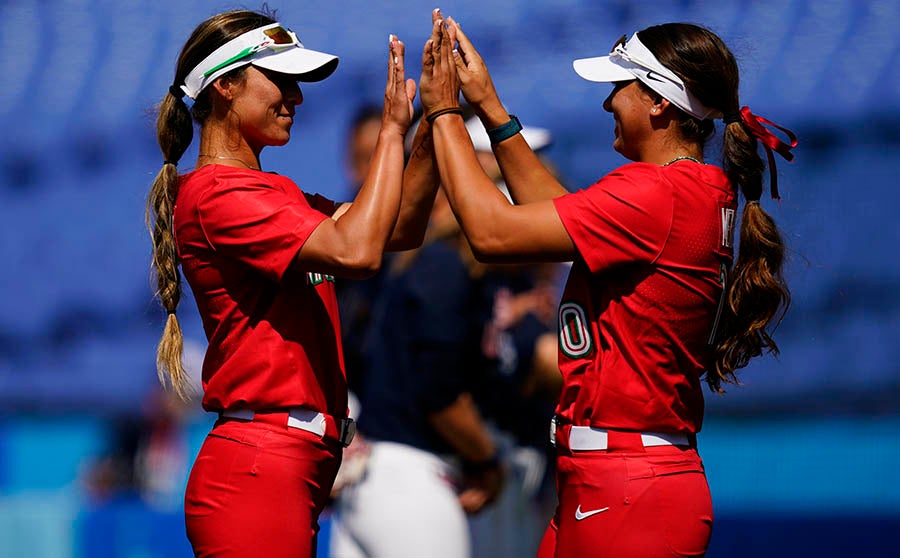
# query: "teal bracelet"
505, 131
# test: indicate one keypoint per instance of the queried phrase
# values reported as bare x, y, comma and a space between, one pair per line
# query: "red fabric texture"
641, 297
627, 503
274, 333
257, 489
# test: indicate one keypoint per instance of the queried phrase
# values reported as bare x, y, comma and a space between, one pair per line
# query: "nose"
292, 93
607, 103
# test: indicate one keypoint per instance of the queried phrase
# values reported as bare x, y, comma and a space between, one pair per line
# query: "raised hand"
439, 84
475, 80
399, 92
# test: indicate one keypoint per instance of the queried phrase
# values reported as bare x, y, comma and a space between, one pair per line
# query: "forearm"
461, 426
371, 218
420, 184
477, 202
352, 242
527, 179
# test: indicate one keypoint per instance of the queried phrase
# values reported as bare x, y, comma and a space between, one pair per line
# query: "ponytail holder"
168, 162
176, 91
170, 312
756, 125
732, 117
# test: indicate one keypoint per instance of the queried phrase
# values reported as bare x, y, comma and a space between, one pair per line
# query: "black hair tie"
176, 91
733, 117
168, 162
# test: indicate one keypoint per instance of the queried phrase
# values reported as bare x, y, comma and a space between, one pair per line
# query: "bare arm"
496, 230
420, 184
461, 426
352, 245
526, 177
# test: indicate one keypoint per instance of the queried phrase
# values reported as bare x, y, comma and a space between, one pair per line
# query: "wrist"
391, 132
492, 113
505, 131
434, 114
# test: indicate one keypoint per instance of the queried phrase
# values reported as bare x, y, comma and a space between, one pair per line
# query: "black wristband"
475, 467
448, 110
505, 131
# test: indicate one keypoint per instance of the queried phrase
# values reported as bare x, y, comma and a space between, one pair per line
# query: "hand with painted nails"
399, 92
475, 80
439, 84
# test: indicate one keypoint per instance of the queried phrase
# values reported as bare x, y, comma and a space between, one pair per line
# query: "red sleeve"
625, 217
257, 224
321, 203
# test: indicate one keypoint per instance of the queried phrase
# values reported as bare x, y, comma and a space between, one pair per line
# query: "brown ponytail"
174, 132
756, 294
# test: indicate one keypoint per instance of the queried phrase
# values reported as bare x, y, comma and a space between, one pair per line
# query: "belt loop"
626, 441
347, 432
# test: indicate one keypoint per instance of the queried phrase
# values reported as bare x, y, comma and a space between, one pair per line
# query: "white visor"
273, 47
536, 138
633, 60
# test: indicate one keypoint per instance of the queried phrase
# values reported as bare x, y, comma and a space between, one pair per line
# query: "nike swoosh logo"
652, 75
579, 515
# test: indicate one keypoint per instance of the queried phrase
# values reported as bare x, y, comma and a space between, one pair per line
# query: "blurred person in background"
520, 379
260, 255
651, 306
430, 457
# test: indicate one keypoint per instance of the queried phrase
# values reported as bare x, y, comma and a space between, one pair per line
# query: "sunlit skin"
267, 105
647, 130
628, 104
250, 112
256, 109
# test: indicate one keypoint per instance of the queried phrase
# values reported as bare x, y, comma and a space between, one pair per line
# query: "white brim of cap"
308, 65
536, 138
601, 69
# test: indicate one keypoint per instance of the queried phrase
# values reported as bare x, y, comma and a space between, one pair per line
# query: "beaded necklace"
683, 158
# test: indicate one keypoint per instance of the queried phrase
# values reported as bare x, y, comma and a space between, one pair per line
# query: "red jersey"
274, 334
641, 296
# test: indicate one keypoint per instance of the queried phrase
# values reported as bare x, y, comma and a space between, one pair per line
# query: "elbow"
362, 264
402, 243
487, 248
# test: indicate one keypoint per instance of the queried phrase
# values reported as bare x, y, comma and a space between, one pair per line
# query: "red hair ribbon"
771, 142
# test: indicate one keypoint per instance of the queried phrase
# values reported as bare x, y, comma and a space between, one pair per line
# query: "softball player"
259, 255
641, 318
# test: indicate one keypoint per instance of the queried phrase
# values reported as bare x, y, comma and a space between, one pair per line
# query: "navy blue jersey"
423, 348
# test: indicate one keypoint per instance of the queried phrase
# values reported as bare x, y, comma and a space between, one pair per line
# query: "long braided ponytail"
174, 132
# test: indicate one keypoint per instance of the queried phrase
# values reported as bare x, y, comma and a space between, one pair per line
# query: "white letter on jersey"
727, 227
574, 337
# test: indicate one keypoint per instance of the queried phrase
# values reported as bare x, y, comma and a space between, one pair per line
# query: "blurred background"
801, 460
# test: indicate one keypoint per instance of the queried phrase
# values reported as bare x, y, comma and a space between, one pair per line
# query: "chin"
281, 140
